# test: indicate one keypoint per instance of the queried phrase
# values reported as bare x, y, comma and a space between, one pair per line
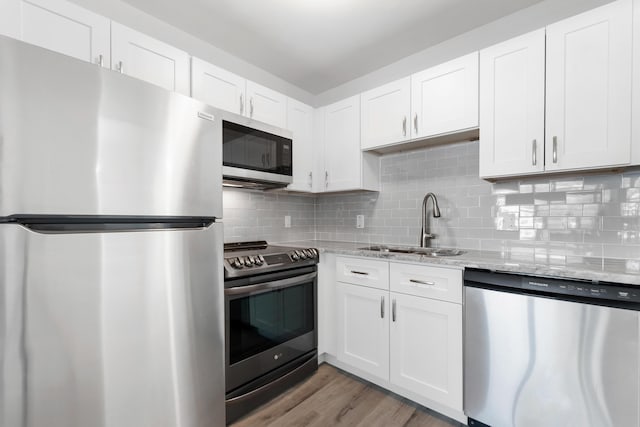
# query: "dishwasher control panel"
579, 289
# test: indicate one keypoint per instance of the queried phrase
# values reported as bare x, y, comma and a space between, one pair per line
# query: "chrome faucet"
425, 236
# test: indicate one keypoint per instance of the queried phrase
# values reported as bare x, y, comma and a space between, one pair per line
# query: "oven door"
269, 324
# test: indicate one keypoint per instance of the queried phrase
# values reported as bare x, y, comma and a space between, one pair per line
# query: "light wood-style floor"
333, 398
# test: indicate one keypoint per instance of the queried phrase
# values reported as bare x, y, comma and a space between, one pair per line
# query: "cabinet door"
386, 114
589, 89
146, 58
300, 123
320, 182
266, 105
426, 348
512, 106
635, 131
444, 98
217, 87
343, 162
59, 26
363, 328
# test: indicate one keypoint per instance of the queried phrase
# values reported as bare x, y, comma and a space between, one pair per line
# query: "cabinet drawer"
432, 282
359, 271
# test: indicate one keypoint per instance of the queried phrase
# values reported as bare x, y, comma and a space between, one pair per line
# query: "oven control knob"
236, 263
248, 261
315, 252
308, 253
302, 254
259, 260
294, 256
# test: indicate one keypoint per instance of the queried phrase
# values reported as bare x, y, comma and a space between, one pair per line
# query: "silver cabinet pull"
555, 149
100, 60
361, 273
251, 107
310, 179
393, 310
326, 179
382, 307
415, 123
534, 153
422, 282
241, 104
120, 67
404, 126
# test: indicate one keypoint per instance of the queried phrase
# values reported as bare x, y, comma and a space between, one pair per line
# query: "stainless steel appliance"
550, 352
255, 155
111, 283
271, 317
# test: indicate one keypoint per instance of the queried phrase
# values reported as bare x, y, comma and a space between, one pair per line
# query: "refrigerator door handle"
101, 224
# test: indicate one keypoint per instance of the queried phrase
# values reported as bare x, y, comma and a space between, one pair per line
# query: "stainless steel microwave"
255, 155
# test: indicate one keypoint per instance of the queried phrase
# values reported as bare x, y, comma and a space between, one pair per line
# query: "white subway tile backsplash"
567, 219
566, 215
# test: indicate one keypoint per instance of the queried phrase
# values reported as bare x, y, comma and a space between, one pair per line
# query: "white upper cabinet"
586, 98
300, 123
319, 171
146, 58
512, 106
230, 92
444, 98
60, 26
385, 114
346, 168
217, 87
589, 89
266, 105
342, 145
635, 132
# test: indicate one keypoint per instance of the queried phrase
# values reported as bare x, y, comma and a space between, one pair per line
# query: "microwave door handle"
270, 286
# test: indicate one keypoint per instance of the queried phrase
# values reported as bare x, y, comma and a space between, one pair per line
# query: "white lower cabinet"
426, 348
363, 328
406, 337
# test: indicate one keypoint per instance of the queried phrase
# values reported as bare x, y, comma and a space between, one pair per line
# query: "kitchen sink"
432, 252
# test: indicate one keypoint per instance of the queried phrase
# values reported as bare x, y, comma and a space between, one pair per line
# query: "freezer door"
111, 330
533, 361
78, 139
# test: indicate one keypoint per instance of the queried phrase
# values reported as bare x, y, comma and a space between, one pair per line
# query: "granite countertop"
575, 267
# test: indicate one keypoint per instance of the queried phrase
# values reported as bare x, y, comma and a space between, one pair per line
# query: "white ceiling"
320, 44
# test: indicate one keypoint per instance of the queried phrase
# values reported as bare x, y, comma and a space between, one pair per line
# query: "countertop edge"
486, 260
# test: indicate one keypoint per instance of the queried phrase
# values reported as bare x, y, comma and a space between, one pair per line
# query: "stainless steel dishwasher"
543, 351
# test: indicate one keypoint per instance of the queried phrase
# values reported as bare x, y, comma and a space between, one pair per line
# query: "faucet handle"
428, 236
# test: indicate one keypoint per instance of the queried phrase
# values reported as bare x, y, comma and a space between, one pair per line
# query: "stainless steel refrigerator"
111, 307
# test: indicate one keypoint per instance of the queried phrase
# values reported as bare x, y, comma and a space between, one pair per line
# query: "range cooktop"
252, 258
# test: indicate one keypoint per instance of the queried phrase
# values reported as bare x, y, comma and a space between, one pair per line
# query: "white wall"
127, 15
526, 20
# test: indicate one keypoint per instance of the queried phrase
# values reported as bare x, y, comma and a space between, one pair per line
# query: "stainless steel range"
270, 321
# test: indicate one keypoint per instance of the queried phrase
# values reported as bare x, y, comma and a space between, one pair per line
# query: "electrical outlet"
507, 222
287, 221
359, 221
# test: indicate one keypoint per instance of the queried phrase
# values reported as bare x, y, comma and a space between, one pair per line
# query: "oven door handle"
270, 286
